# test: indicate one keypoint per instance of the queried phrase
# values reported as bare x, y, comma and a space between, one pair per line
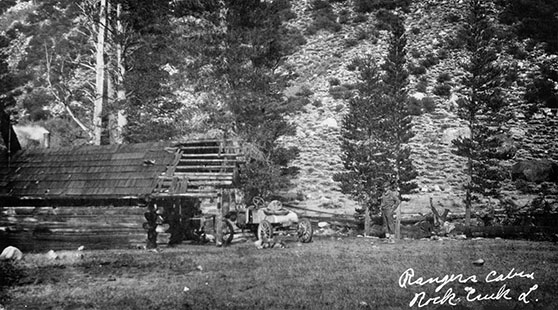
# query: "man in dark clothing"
176, 228
151, 226
389, 203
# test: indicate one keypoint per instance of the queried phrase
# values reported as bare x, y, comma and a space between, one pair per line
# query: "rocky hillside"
323, 66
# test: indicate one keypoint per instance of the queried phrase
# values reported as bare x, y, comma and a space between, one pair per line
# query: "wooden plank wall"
35, 229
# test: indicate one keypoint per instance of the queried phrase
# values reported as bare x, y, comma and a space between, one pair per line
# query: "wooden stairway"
200, 169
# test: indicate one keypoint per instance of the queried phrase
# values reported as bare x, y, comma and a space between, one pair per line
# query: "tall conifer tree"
377, 129
482, 107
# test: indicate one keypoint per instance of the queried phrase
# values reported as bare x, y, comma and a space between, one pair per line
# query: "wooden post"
367, 221
219, 220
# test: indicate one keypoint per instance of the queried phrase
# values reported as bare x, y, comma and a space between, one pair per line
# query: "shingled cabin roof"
126, 172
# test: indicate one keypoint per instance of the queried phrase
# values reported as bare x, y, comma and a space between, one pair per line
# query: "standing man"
389, 203
151, 226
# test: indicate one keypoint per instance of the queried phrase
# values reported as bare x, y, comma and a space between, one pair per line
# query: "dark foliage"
429, 60
386, 19
535, 19
482, 108
442, 90
422, 84
367, 6
417, 69
443, 77
540, 90
323, 18
420, 106
10, 275
340, 92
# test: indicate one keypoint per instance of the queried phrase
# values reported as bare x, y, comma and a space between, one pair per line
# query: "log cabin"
96, 195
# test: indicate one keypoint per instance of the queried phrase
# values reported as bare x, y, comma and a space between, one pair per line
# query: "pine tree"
482, 108
377, 128
232, 61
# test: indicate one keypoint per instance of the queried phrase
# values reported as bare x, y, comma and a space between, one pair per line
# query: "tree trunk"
121, 118
398, 223
367, 221
111, 126
468, 192
100, 91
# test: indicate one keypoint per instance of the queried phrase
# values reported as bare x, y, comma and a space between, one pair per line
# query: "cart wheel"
258, 202
304, 231
228, 232
265, 231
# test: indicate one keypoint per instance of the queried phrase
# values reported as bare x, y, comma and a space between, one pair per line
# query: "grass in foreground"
348, 273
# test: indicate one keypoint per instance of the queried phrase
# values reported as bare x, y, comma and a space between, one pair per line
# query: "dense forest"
125, 71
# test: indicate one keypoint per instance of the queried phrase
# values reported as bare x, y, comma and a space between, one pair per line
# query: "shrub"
317, 103
386, 19
428, 104
430, 60
367, 6
334, 81
338, 108
442, 54
324, 18
417, 69
419, 106
422, 84
415, 53
304, 91
350, 42
452, 18
288, 15
517, 51
340, 92
360, 18
326, 22
443, 77
415, 30
335, 27
456, 41
442, 90
320, 5
295, 104
311, 30
361, 34
414, 106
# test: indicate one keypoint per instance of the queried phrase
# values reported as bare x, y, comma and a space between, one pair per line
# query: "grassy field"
329, 273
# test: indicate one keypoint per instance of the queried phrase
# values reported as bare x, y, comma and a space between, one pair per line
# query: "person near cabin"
176, 229
151, 226
389, 203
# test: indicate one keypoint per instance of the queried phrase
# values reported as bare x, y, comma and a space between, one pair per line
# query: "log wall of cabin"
57, 228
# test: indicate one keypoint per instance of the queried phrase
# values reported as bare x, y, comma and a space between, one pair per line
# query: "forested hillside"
303, 84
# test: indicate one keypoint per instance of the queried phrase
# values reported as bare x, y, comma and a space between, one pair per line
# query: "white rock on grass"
52, 255
12, 253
